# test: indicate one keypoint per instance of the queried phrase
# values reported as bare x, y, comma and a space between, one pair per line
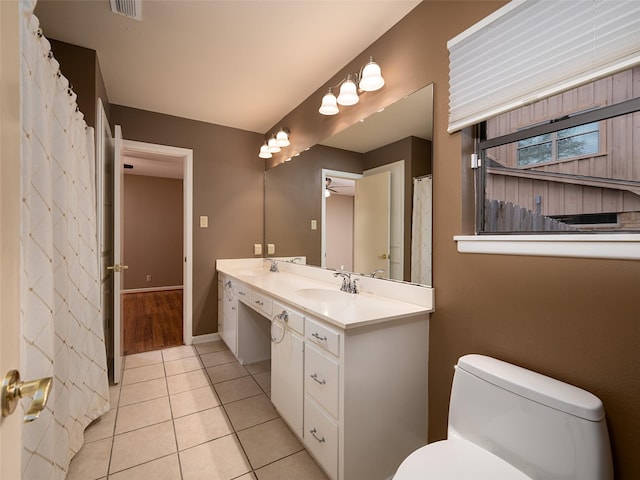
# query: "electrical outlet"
257, 249
148, 278
271, 248
204, 221
314, 224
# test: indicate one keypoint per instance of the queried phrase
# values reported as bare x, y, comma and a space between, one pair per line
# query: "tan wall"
228, 188
339, 237
153, 231
81, 67
574, 319
292, 196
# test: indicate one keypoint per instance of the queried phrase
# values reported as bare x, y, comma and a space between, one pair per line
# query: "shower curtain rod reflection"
422, 177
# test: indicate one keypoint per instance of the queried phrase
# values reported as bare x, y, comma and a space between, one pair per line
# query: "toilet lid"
456, 460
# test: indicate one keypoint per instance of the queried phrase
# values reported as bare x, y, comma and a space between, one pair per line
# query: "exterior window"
561, 145
568, 163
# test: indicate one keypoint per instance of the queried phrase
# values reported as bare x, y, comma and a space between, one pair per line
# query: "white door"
11, 426
117, 266
105, 172
371, 250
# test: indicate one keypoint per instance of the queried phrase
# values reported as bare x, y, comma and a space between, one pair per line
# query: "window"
553, 100
557, 166
561, 145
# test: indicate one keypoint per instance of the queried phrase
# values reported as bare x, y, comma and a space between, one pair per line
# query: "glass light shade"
264, 151
348, 93
282, 138
371, 77
273, 145
329, 105
327, 193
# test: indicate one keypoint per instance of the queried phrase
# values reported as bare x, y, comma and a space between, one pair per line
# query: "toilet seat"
456, 459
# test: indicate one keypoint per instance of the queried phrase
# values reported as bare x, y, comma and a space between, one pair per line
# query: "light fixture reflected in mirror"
369, 80
282, 138
275, 143
264, 151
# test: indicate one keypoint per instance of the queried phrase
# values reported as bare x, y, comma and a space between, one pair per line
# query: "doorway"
337, 219
158, 201
394, 218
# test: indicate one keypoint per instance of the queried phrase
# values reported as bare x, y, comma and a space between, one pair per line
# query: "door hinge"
476, 162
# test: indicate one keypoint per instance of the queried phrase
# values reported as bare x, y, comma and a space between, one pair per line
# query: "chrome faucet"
374, 273
348, 285
346, 281
293, 260
274, 266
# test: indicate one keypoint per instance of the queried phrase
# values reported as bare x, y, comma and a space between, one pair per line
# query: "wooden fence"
500, 216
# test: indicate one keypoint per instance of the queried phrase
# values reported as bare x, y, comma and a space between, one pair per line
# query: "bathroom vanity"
348, 371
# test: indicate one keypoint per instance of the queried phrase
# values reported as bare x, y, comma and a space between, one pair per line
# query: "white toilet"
509, 423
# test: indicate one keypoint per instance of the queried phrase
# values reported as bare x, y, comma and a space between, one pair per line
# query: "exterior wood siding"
607, 182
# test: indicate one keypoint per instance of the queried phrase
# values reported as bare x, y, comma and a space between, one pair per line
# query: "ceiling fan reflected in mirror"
339, 186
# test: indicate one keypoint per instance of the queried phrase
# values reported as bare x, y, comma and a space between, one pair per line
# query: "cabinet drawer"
295, 319
323, 336
321, 379
242, 292
321, 437
261, 303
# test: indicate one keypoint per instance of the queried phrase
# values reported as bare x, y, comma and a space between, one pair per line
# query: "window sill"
612, 246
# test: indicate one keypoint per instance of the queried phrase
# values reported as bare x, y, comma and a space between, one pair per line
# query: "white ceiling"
242, 64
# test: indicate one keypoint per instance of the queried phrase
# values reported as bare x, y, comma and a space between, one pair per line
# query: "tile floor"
192, 412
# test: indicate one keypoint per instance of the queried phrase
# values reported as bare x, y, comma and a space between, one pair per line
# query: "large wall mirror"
348, 203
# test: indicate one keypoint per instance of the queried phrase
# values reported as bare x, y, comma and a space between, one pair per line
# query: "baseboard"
152, 289
209, 337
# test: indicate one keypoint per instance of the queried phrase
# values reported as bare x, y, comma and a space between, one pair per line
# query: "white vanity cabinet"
287, 365
229, 291
228, 312
349, 377
322, 388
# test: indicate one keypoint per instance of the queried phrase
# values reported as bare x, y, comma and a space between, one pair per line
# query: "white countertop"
296, 285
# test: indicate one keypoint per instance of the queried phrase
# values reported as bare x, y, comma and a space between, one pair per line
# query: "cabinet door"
229, 332
286, 376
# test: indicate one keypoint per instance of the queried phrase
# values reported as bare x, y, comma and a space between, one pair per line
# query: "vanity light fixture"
264, 151
274, 143
282, 138
369, 80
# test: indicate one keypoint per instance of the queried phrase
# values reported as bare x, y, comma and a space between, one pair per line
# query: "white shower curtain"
421, 231
62, 333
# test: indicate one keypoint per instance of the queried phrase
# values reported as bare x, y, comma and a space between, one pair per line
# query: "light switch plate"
314, 224
204, 221
257, 249
271, 248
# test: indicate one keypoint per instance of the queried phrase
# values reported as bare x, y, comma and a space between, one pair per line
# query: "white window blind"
532, 49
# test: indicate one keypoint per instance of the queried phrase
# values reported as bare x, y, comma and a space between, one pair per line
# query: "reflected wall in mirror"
298, 216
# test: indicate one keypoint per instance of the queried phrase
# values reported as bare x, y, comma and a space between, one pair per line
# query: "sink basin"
322, 294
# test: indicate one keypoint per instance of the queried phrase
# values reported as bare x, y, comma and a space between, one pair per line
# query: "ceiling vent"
128, 8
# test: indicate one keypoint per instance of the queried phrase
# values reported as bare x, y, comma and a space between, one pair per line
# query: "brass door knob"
117, 267
384, 256
13, 390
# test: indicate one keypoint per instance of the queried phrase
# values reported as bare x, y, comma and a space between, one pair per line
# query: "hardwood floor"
152, 320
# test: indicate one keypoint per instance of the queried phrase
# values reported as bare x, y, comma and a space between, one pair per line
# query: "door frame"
323, 219
186, 155
10, 222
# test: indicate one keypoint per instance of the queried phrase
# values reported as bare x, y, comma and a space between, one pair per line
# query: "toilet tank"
546, 428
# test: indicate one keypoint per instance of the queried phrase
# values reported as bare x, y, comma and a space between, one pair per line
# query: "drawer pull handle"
313, 432
241, 293
315, 377
258, 302
317, 335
